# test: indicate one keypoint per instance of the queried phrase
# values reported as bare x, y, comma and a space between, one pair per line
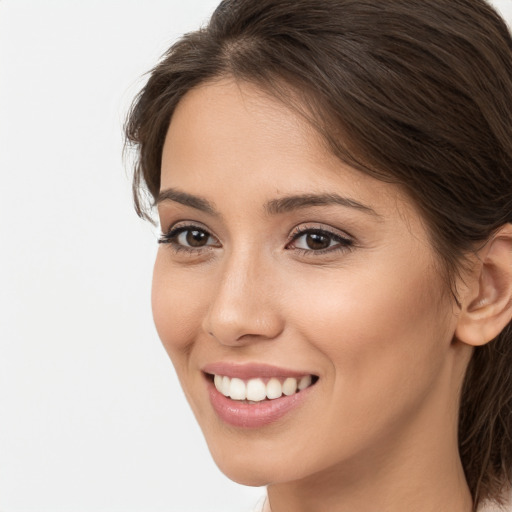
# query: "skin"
372, 319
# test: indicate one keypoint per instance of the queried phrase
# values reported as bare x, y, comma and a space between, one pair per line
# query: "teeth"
289, 386
304, 383
224, 388
237, 389
255, 390
274, 389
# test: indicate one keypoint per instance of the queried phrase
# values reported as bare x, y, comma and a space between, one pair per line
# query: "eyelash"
172, 235
342, 243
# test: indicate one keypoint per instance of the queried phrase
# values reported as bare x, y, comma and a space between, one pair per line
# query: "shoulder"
263, 505
493, 507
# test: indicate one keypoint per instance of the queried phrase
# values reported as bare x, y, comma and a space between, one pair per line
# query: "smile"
258, 389
255, 395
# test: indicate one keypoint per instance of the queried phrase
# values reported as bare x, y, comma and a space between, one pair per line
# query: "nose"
244, 306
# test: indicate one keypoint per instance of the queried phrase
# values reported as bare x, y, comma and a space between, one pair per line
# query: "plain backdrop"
92, 418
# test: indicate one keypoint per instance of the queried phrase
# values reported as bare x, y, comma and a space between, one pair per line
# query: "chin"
249, 475
246, 476
256, 467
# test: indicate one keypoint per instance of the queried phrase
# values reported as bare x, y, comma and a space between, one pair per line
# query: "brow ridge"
273, 207
199, 203
289, 203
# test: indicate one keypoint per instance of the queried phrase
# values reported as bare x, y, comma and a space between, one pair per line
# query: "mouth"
259, 389
253, 396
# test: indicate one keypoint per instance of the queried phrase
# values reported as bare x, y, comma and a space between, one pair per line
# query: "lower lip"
241, 414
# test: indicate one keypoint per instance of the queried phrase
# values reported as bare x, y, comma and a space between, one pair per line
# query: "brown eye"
317, 241
196, 238
189, 238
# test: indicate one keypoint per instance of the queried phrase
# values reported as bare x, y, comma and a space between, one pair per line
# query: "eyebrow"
273, 207
199, 203
286, 204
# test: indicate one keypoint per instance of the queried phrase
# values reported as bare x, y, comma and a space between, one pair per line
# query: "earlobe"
487, 299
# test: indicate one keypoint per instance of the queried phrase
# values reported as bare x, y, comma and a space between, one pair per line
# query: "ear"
487, 298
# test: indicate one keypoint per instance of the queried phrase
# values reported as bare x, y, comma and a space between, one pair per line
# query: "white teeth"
224, 389
305, 382
237, 389
290, 386
255, 390
274, 389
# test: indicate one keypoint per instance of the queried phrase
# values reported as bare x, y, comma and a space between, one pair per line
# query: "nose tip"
233, 327
243, 309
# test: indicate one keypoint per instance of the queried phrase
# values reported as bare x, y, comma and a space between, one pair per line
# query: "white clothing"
494, 508
264, 506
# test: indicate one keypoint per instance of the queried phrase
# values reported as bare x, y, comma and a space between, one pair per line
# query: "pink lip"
241, 414
250, 371
246, 415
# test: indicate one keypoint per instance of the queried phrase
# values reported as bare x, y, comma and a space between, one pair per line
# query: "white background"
91, 415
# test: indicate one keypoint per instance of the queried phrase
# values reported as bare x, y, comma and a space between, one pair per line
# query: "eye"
318, 240
191, 238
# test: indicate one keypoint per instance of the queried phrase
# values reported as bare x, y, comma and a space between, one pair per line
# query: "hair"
413, 92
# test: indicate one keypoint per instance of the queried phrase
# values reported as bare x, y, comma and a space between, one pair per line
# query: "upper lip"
250, 370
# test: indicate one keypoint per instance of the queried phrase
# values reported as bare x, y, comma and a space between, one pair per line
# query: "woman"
333, 180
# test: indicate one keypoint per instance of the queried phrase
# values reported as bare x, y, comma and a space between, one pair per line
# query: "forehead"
228, 135
228, 113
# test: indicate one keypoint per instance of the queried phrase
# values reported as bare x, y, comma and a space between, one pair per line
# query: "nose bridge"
243, 306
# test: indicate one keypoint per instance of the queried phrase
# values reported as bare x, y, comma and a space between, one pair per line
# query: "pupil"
196, 238
317, 241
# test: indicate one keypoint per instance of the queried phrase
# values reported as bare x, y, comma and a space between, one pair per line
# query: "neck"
386, 489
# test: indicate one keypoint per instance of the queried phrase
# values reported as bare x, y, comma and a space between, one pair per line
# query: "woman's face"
282, 268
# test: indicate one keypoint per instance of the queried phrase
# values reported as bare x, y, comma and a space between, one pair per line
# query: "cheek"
177, 310
382, 332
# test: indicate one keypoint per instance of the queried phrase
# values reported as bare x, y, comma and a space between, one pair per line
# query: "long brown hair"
415, 92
